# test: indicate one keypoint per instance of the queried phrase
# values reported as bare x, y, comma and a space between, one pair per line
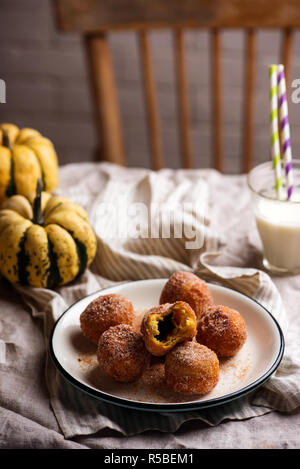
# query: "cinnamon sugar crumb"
87, 360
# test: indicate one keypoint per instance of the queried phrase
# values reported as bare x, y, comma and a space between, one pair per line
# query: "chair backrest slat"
103, 81
217, 101
183, 100
151, 101
249, 100
286, 52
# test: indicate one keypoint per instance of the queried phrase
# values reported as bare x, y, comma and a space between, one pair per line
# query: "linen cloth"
222, 258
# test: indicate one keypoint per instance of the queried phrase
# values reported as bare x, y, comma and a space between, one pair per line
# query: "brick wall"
47, 87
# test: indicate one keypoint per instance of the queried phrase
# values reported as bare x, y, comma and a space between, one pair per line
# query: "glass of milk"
278, 220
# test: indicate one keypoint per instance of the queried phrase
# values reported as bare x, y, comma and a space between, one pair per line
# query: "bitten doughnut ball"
223, 330
104, 312
166, 325
186, 286
192, 368
122, 354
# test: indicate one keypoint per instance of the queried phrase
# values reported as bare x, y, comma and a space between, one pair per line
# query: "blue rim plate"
248, 370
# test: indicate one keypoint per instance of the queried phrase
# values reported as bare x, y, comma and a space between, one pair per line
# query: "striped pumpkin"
25, 156
44, 244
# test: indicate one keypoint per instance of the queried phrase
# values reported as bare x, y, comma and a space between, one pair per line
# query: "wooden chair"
95, 18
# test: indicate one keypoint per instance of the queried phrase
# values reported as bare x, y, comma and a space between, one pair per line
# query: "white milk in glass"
278, 223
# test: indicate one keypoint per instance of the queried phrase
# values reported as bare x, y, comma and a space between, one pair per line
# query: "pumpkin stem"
5, 139
38, 218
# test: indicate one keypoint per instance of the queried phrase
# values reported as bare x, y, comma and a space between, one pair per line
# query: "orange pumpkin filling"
166, 325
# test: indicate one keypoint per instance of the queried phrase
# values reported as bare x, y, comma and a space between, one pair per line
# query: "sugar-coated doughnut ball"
122, 354
186, 286
104, 312
154, 376
223, 330
192, 368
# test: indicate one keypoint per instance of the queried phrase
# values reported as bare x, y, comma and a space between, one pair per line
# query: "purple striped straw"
285, 131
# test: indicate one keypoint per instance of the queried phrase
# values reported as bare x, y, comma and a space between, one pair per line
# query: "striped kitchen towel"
131, 246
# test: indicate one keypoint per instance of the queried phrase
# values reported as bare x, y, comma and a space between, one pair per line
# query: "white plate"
75, 356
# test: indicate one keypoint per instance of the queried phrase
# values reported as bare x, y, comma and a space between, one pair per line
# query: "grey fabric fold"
221, 258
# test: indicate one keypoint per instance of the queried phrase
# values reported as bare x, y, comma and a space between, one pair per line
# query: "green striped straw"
275, 142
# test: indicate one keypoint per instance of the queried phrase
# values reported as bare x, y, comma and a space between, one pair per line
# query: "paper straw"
285, 131
275, 142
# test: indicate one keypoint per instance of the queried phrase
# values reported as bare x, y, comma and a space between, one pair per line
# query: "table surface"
27, 420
